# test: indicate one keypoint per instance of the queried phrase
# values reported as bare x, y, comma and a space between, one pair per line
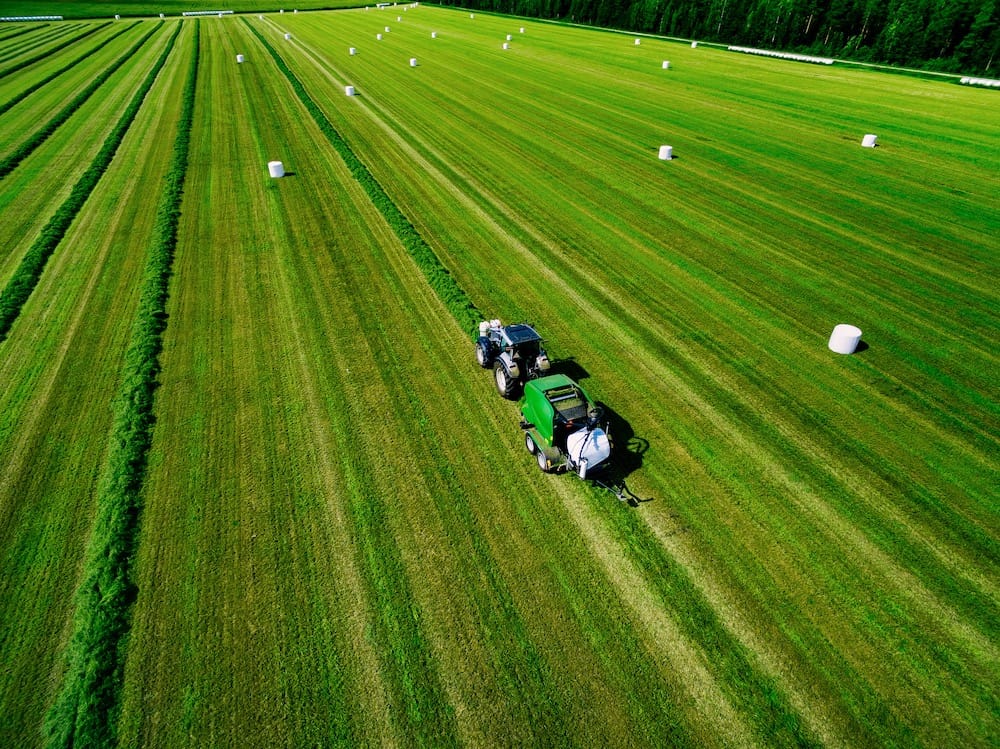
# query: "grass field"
340, 538
69, 9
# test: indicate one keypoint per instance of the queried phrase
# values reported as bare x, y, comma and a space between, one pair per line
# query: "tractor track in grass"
404, 138
389, 129
889, 568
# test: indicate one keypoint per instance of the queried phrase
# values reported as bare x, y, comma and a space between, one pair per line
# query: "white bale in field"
845, 339
282, 10
386, 29
352, 51
239, 58
666, 153
506, 46
413, 62
522, 29
694, 45
260, 18
220, 15
869, 141
161, 15
472, 15
509, 37
434, 35
637, 42
349, 90
666, 64
399, 19
276, 169
117, 17
379, 37
295, 11
287, 37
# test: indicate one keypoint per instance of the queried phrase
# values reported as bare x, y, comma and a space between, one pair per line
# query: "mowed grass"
60, 365
838, 512
147, 8
342, 539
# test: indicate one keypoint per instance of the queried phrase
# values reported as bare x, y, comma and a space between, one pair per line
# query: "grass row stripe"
48, 79
85, 710
8, 164
26, 276
19, 32
440, 279
41, 56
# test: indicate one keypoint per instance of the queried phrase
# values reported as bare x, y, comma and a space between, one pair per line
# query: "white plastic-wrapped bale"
288, 37
666, 153
399, 19
239, 58
117, 17
506, 45
352, 51
413, 62
509, 37
161, 15
349, 90
522, 29
666, 64
276, 169
638, 42
379, 37
869, 141
694, 45
845, 339
434, 35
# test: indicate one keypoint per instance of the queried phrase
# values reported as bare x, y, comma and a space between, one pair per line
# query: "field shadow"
569, 367
627, 453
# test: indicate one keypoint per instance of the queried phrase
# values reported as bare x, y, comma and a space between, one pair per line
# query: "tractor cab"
514, 351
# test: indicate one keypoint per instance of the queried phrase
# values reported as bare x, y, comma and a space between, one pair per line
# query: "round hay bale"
845, 339
276, 169
869, 141
666, 153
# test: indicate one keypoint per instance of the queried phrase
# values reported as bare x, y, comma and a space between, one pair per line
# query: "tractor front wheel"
530, 444
543, 462
482, 356
506, 385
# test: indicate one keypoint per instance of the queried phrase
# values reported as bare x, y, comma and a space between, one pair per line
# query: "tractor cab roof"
515, 335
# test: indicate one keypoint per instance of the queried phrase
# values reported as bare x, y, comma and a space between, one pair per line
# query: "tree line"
956, 36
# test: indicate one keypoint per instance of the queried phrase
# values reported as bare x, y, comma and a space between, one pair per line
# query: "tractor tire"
483, 355
506, 385
543, 462
530, 444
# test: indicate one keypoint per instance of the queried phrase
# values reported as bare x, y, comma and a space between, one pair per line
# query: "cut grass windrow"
41, 56
84, 710
31, 89
25, 278
19, 32
8, 164
439, 278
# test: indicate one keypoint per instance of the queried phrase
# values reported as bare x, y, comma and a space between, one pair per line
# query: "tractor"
563, 428
514, 352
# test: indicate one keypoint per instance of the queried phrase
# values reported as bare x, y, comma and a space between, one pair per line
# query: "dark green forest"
956, 36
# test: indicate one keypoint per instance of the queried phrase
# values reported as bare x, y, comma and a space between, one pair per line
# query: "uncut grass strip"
19, 32
86, 708
440, 279
26, 276
10, 162
12, 51
52, 76
32, 60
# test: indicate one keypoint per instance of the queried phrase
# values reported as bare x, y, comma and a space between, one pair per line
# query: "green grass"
343, 541
152, 8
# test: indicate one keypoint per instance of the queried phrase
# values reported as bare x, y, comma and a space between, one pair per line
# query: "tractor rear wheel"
530, 444
543, 462
506, 385
482, 356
